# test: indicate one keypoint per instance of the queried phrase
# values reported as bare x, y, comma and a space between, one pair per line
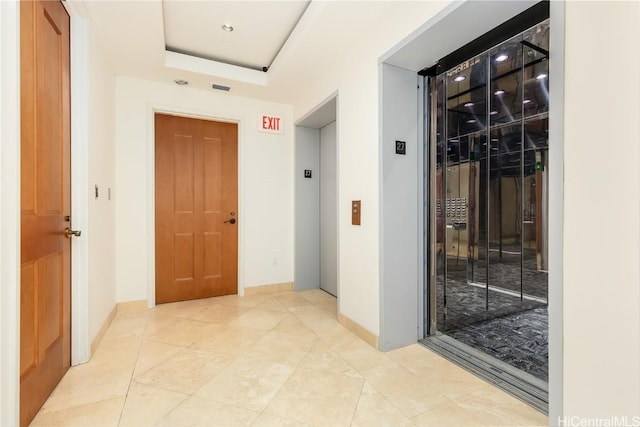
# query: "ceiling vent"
221, 87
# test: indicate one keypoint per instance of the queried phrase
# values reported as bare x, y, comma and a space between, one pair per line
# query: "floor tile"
123, 326
450, 414
184, 332
495, 407
358, 353
282, 348
181, 310
152, 354
329, 329
409, 394
235, 300
284, 355
322, 358
198, 412
186, 371
104, 413
86, 384
293, 326
320, 398
309, 313
219, 313
330, 308
292, 299
156, 322
452, 381
260, 319
233, 340
117, 353
317, 296
376, 410
266, 420
247, 383
146, 405
272, 304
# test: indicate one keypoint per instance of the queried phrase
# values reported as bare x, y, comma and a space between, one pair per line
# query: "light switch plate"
355, 212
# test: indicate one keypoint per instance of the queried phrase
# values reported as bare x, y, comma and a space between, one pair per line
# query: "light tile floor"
268, 360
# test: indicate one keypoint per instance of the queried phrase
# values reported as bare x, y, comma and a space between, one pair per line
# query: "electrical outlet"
274, 263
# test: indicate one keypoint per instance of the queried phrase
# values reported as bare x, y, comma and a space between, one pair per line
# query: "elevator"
316, 200
486, 151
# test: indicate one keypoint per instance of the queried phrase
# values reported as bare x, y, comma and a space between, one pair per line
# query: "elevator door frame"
513, 27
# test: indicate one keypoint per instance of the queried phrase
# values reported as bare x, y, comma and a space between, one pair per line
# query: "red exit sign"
270, 124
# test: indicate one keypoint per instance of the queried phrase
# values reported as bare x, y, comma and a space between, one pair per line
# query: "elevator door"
328, 210
488, 156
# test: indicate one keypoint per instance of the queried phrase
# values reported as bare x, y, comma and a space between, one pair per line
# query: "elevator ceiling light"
227, 27
498, 92
181, 82
458, 79
541, 76
468, 104
501, 57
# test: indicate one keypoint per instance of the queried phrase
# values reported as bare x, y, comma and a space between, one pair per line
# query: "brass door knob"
69, 232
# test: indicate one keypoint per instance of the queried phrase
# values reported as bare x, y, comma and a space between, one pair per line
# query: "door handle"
69, 232
232, 221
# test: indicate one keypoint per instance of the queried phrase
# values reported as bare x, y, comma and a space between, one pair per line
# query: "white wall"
9, 211
601, 210
101, 163
307, 208
354, 76
329, 209
92, 162
265, 193
400, 241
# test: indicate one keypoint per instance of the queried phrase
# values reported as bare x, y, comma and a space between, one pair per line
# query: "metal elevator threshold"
519, 384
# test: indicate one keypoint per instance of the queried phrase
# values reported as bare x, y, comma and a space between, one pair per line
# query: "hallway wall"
353, 73
102, 169
265, 186
601, 212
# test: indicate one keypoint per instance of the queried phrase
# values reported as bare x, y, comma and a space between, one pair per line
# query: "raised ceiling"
328, 35
260, 29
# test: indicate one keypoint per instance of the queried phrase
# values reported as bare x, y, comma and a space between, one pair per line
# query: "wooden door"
45, 346
196, 181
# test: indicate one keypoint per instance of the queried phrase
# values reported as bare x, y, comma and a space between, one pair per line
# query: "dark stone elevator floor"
512, 330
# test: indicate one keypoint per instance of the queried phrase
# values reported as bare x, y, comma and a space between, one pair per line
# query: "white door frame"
10, 212
80, 340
